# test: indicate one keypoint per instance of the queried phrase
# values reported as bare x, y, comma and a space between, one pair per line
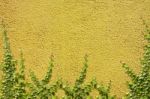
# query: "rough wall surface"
109, 31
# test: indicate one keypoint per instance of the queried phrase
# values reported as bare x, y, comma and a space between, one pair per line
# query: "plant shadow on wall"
14, 85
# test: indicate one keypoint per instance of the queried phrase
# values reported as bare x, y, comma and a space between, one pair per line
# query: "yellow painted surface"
109, 31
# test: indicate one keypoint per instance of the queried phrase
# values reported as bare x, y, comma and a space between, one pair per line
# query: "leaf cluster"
14, 85
139, 87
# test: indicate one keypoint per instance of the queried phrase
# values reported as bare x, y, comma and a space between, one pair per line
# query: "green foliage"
42, 89
14, 85
78, 89
81, 90
20, 84
139, 87
8, 69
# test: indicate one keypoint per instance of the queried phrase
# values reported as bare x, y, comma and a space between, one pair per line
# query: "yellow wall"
109, 31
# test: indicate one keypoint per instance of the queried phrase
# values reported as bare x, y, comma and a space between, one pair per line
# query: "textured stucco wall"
109, 31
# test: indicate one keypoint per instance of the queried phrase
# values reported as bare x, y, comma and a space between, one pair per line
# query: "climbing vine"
15, 86
139, 87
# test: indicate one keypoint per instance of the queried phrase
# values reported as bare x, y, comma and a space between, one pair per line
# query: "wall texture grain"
109, 31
